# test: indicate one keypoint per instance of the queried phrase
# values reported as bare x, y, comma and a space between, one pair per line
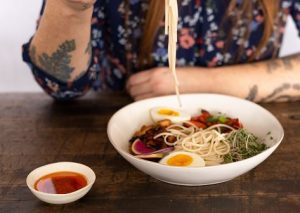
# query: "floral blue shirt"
201, 41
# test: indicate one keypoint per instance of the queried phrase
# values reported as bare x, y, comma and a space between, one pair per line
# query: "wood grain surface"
35, 130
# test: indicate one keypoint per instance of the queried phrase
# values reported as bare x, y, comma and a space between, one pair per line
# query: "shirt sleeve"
295, 13
69, 90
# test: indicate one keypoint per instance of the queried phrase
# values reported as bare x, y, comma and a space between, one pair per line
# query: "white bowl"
58, 167
256, 119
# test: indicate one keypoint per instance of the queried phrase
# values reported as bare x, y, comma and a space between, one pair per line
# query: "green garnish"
217, 119
212, 119
223, 119
243, 145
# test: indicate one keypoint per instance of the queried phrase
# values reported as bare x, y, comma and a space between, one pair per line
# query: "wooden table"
35, 130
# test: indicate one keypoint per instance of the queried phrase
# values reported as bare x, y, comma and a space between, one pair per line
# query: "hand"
159, 81
79, 5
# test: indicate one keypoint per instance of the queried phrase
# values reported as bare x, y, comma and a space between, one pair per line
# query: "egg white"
156, 116
197, 159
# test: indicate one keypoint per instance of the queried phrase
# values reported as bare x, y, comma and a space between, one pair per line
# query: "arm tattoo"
287, 62
296, 87
277, 91
86, 5
287, 98
277, 95
252, 93
272, 65
32, 54
88, 51
58, 63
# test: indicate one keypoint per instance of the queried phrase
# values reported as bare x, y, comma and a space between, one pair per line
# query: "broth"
60, 182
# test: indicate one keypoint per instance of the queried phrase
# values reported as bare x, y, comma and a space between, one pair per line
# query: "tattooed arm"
266, 81
61, 45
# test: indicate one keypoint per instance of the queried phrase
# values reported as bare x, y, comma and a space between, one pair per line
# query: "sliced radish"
138, 148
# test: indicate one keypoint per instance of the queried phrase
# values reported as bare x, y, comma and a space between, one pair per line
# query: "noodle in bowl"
256, 119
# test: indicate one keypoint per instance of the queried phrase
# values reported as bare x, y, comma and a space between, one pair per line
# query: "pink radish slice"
138, 148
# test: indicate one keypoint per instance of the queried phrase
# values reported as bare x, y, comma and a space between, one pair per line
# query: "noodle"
209, 143
217, 139
171, 20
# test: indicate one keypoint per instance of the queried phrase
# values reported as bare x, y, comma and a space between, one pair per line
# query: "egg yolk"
180, 160
168, 112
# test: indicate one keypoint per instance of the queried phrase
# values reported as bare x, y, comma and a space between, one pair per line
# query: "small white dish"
59, 167
255, 119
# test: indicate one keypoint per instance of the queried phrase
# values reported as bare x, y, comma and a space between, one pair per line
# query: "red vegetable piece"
236, 124
138, 148
195, 118
204, 116
198, 124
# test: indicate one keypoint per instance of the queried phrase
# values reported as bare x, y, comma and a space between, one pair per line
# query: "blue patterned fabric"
201, 42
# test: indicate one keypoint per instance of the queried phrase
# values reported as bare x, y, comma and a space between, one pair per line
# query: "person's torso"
202, 38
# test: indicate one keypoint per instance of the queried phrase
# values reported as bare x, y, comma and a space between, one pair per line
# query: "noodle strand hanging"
171, 20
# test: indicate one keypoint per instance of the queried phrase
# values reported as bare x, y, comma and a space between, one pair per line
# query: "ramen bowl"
257, 120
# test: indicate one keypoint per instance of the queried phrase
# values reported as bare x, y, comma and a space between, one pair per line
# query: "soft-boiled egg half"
183, 159
174, 115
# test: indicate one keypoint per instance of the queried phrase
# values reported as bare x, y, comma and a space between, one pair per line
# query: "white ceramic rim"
192, 168
93, 179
